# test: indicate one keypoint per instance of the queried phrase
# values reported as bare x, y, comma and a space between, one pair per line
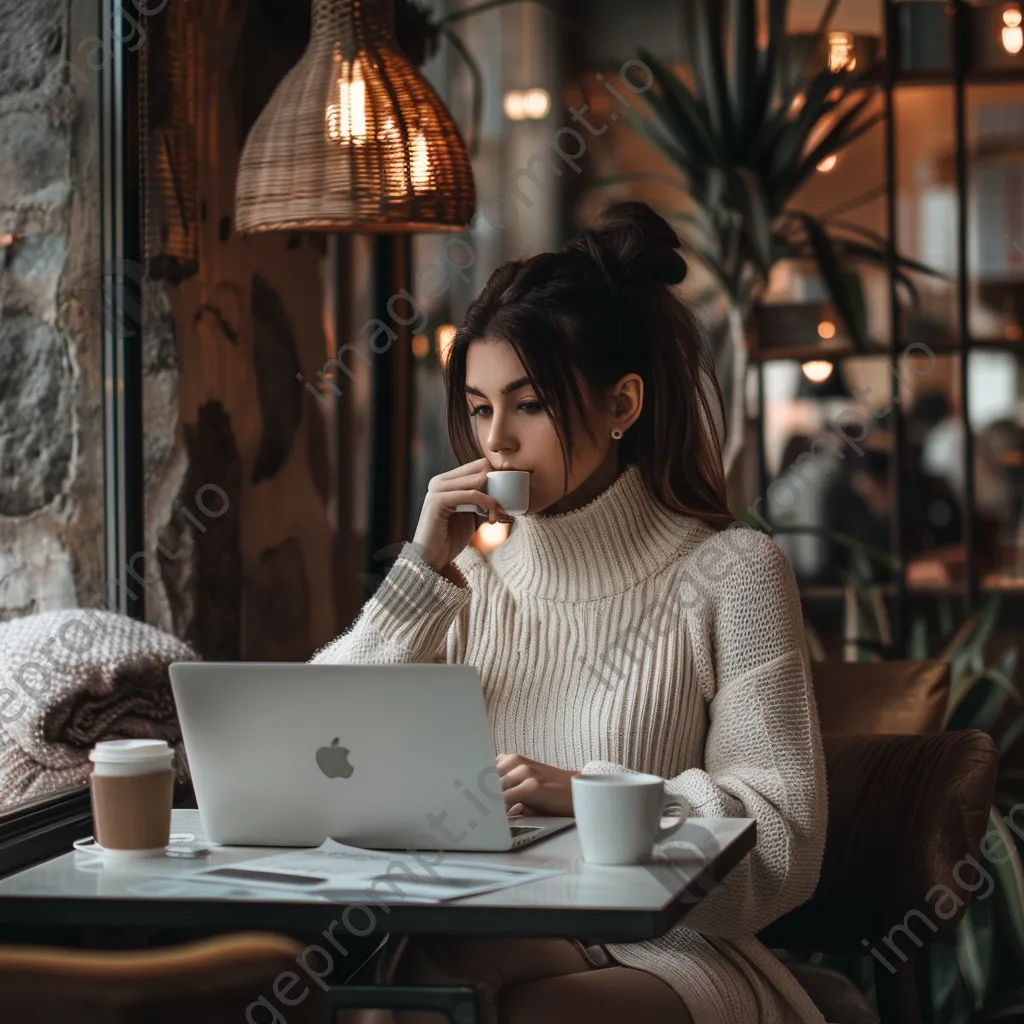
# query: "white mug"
512, 489
618, 816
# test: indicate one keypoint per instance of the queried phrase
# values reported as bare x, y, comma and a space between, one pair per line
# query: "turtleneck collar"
612, 543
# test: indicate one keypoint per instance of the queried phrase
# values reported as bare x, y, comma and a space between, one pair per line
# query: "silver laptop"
382, 756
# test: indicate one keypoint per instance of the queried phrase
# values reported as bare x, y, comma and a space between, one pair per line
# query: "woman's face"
514, 432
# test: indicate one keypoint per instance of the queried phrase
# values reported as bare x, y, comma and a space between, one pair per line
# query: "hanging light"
840, 52
354, 138
1012, 33
817, 371
825, 165
527, 104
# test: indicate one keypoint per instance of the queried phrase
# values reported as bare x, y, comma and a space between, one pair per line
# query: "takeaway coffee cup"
132, 786
512, 489
618, 816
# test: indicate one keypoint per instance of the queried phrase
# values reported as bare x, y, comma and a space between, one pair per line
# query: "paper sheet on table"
339, 872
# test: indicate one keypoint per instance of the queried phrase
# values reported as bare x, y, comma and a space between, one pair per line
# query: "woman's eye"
484, 410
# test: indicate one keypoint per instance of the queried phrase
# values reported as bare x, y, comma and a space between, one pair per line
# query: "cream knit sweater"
623, 635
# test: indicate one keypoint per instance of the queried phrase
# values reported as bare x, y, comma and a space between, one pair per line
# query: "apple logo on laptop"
333, 761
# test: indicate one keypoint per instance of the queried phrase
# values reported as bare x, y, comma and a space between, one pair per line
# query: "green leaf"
975, 703
1010, 876
843, 298
708, 42
974, 952
654, 134
792, 138
680, 109
742, 63
837, 139
770, 59
970, 639
827, 14
756, 218
1010, 737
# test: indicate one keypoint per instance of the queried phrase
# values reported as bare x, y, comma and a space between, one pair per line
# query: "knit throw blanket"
71, 678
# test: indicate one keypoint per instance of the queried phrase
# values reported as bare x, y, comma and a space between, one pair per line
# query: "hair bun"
640, 247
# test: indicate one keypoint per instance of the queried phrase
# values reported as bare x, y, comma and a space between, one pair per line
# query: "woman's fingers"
469, 467
450, 499
514, 776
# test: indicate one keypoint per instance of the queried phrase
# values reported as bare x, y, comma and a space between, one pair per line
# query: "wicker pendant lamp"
354, 138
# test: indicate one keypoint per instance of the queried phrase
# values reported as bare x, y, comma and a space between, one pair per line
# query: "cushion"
866, 697
905, 814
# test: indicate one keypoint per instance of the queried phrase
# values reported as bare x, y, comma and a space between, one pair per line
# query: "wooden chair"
248, 977
212, 981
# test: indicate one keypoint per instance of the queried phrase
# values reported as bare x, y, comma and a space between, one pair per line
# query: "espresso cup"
512, 489
132, 786
618, 816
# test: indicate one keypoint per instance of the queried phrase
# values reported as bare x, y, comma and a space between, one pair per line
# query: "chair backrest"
238, 977
881, 696
906, 818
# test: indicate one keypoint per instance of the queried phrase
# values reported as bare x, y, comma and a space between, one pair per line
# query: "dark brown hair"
603, 306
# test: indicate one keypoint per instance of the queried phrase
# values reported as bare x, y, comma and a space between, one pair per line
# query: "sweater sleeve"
762, 754
407, 619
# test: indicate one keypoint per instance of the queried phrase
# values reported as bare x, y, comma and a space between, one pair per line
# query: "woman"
584, 369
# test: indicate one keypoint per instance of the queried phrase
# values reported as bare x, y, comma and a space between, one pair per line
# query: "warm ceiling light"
1013, 34
817, 371
445, 336
536, 103
826, 329
354, 138
840, 52
828, 163
526, 104
420, 345
514, 103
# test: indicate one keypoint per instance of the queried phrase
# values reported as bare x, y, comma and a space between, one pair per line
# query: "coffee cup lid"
128, 751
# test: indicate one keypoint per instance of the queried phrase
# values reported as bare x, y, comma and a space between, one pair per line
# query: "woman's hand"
531, 788
442, 533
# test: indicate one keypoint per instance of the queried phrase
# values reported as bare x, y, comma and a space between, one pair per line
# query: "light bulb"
840, 52
515, 104
1012, 33
826, 329
828, 163
419, 167
536, 103
346, 119
817, 371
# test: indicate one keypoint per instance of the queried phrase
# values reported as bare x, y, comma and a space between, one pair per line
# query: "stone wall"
50, 372
228, 428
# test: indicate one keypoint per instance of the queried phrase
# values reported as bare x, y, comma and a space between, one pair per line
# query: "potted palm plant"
744, 127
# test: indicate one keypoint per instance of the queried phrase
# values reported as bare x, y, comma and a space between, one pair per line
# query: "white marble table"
621, 904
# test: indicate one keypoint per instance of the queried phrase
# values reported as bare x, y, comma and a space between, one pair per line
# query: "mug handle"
684, 812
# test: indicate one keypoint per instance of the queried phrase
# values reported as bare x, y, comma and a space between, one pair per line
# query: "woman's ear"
627, 401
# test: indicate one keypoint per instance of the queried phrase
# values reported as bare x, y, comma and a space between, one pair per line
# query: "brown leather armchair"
906, 812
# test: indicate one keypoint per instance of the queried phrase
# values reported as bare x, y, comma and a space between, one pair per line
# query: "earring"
617, 434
